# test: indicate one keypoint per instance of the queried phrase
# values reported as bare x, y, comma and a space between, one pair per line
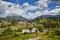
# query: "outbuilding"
25, 31
34, 30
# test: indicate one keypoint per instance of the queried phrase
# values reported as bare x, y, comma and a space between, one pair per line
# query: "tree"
57, 32
40, 27
7, 31
19, 29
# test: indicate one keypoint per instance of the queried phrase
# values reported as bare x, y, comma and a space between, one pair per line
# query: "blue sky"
51, 6
22, 1
30, 8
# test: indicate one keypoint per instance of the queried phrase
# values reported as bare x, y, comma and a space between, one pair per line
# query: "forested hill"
15, 18
46, 17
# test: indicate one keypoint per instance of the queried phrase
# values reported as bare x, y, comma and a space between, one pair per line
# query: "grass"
54, 38
20, 37
27, 36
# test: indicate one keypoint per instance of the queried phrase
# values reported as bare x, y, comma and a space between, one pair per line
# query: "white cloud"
55, 1
42, 4
58, 6
31, 15
55, 11
10, 9
45, 12
14, 10
26, 4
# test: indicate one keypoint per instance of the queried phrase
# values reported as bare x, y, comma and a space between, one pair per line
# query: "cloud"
40, 6
42, 2
26, 4
31, 15
56, 11
58, 6
15, 10
9, 9
25, 10
55, 1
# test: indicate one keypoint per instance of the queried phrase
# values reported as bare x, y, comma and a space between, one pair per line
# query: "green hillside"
13, 31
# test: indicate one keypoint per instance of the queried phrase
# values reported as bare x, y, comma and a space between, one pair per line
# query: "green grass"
20, 37
27, 36
54, 38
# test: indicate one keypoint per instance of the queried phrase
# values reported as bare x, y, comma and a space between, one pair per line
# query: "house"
34, 30
22, 23
1, 30
25, 31
4, 23
9, 23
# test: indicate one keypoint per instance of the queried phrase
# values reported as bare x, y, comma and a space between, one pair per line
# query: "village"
22, 24
22, 27
26, 30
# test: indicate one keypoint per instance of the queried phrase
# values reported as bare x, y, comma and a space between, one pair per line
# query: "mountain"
30, 20
17, 18
10, 18
46, 16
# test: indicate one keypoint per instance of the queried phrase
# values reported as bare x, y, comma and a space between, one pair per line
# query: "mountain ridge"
37, 18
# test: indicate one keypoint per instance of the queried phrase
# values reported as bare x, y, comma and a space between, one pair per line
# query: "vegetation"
7, 31
13, 32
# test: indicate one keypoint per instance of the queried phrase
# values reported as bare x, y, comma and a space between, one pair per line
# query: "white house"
26, 31
34, 30
4, 23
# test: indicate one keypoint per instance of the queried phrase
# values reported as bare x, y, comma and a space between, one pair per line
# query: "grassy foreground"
19, 36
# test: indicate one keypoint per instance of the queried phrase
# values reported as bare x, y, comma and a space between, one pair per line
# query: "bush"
7, 31
57, 32
30, 28
16, 35
19, 29
3, 26
40, 27
51, 34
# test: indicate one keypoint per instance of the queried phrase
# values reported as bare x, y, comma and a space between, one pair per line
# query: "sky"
29, 9
22, 1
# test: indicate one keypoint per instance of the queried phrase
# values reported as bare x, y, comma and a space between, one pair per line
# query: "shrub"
51, 34
16, 35
57, 32
19, 29
7, 31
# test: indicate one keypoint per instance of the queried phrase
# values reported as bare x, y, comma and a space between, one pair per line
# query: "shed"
26, 31
34, 30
